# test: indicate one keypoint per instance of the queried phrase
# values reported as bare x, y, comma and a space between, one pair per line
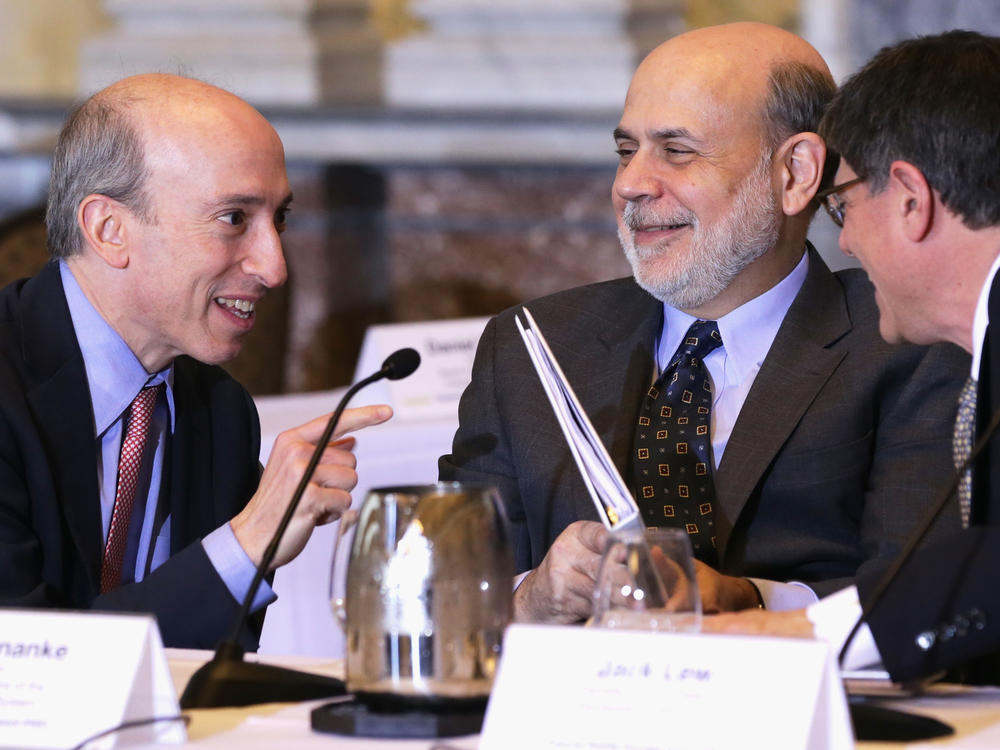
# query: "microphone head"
401, 363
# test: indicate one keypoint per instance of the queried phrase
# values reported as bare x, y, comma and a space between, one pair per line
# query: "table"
974, 712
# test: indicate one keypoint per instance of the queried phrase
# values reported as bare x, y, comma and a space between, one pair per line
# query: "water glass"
646, 581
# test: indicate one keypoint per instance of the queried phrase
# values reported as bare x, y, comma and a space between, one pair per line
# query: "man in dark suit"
825, 440
129, 474
918, 200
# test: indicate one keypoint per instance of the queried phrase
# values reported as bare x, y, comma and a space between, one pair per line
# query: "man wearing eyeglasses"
820, 442
917, 197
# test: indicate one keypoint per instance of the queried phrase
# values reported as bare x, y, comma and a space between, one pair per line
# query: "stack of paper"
615, 505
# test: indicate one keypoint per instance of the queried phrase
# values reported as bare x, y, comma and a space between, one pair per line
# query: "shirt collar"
982, 318
747, 332
114, 374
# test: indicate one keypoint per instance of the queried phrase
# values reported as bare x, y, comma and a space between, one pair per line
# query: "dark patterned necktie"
672, 463
961, 444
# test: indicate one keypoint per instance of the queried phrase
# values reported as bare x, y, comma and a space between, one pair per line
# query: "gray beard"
717, 253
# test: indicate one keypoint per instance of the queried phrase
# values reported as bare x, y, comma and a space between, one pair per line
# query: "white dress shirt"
835, 615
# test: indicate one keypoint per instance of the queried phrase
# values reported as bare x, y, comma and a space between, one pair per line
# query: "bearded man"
811, 446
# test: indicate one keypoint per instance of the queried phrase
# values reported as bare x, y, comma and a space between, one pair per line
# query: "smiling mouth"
241, 308
662, 227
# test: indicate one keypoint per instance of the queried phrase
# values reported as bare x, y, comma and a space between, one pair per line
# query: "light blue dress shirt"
114, 377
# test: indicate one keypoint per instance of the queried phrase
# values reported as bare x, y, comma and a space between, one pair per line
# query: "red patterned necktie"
672, 463
137, 421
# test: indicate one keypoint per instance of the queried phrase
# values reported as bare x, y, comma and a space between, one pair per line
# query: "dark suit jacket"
50, 533
836, 449
943, 610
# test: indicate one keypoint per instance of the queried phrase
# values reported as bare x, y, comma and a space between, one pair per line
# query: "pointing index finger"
350, 420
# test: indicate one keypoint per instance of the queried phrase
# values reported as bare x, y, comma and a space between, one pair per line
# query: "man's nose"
266, 259
843, 244
638, 178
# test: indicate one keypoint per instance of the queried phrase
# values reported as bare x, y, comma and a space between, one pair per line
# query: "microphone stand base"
877, 723
227, 681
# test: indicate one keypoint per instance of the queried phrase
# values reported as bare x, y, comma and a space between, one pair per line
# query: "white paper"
66, 676
579, 688
614, 503
447, 349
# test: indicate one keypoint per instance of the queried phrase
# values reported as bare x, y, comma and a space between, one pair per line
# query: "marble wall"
40, 45
408, 243
877, 23
459, 221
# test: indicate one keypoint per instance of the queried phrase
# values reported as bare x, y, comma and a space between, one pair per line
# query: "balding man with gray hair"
814, 444
129, 474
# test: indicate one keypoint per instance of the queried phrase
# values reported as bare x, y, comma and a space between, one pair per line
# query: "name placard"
66, 676
447, 348
579, 688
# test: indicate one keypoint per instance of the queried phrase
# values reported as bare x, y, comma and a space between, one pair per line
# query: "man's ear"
801, 158
102, 223
912, 199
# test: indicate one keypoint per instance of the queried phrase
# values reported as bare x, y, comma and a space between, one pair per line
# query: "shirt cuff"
234, 567
833, 617
519, 578
780, 596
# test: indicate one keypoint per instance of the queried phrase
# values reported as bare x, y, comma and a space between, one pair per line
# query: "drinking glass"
646, 581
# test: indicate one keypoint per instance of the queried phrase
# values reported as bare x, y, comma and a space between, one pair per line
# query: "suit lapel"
189, 462
631, 347
60, 400
611, 360
799, 363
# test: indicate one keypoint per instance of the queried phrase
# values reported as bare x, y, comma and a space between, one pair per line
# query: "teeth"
242, 307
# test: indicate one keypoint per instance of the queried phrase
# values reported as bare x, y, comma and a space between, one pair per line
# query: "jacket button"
925, 640
977, 618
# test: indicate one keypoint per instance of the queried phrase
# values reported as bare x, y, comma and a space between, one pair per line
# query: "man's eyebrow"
658, 135
245, 199
668, 133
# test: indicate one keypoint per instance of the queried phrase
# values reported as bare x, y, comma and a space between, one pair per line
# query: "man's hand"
326, 496
561, 588
722, 593
791, 623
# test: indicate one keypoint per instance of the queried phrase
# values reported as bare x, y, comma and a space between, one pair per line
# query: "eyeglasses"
832, 203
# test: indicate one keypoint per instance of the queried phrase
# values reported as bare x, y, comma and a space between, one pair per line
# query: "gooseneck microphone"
227, 680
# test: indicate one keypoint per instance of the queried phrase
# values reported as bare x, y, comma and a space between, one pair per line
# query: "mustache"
636, 216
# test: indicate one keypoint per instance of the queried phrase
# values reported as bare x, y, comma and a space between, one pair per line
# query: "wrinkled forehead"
203, 135
203, 163
706, 92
